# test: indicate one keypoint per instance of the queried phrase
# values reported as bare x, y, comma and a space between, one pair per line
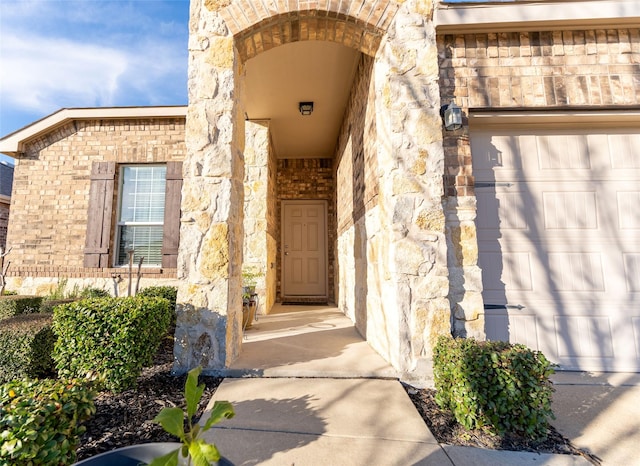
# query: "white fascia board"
622, 118
13, 143
535, 15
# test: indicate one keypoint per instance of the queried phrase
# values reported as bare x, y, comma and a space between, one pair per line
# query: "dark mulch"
125, 418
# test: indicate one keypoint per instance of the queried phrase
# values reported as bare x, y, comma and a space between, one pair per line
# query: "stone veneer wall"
306, 179
51, 194
519, 70
258, 250
392, 248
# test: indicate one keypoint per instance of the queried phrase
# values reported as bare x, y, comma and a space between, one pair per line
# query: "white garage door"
559, 239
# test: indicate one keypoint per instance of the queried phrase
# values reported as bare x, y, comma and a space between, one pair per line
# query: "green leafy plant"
494, 385
180, 423
111, 339
14, 305
26, 343
41, 421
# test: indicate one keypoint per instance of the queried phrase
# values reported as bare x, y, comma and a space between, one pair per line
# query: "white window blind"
141, 214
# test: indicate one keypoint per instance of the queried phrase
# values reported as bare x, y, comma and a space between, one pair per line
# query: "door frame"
325, 236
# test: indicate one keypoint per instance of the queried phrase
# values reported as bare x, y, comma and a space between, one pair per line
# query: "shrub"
48, 305
169, 293
26, 344
14, 305
92, 292
110, 338
494, 384
40, 421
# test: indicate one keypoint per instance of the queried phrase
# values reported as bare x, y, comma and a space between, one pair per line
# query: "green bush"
26, 344
14, 305
94, 293
109, 338
48, 305
503, 387
169, 293
40, 421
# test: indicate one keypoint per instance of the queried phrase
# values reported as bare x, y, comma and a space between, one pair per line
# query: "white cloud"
37, 72
64, 53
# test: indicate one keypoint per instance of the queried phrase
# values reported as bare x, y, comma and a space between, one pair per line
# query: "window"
141, 213
147, 214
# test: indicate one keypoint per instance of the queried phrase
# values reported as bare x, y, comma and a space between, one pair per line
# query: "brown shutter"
96, 251
171, 235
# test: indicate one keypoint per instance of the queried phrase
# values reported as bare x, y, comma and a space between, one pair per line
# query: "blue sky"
89, 53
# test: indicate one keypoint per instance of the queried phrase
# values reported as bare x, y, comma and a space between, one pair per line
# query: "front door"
304, 250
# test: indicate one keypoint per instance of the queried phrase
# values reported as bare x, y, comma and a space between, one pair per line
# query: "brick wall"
51, 189
356, 159
545, 69
308, 179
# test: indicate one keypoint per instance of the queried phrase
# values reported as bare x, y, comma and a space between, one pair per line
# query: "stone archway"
407, 299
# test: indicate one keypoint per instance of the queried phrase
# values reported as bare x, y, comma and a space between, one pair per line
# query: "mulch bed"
125, 418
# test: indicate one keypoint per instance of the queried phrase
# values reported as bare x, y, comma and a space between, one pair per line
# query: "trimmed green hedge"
169, 293
40, 421
494, 384
14, 305
109, 338
26, 344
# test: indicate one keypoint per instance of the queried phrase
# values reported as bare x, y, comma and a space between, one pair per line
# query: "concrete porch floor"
307, 341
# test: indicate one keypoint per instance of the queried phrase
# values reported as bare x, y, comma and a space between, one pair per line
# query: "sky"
89, 53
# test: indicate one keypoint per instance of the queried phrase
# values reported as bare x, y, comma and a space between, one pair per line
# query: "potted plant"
191, 450
249, 297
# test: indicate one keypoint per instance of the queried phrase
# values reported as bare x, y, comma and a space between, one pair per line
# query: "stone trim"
82, 272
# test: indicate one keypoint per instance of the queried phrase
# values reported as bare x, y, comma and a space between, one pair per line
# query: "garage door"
559, 242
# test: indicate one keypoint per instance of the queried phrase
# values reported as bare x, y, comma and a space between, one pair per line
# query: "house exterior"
6, 183
518, 225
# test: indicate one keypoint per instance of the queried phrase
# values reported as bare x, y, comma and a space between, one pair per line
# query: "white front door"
559, 239
304, 251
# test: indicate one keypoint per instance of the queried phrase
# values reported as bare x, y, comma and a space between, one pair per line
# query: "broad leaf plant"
196, 451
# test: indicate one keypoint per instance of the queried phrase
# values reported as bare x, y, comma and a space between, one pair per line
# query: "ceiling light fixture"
306, 108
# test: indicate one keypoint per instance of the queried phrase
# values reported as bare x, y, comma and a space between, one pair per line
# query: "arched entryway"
386, 260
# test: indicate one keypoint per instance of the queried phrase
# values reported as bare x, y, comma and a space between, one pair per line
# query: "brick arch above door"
358, 24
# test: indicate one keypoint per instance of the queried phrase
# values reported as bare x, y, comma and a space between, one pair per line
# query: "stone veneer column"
256, 251
411, 164
209, 311
465, 277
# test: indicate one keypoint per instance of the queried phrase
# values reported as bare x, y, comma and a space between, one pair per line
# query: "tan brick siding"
307, 179
356, 159
51, 188
533, 70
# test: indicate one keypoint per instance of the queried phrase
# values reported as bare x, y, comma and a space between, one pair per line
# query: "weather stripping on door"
504, 306
492, 184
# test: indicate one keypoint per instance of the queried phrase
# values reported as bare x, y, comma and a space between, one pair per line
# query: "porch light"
306, 108
452, 116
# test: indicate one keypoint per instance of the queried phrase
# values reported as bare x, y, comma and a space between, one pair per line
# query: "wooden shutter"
96, 251
171, 236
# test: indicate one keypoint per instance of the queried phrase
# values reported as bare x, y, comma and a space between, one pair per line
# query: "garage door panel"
576, 271
632, 272
584, 336
558, 227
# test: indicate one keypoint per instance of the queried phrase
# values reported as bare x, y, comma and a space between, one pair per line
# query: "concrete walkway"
313, 392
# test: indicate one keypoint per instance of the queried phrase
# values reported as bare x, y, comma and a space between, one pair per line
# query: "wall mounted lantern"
452, 116
306, 108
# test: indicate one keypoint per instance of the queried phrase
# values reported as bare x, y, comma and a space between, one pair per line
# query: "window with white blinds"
141, 213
